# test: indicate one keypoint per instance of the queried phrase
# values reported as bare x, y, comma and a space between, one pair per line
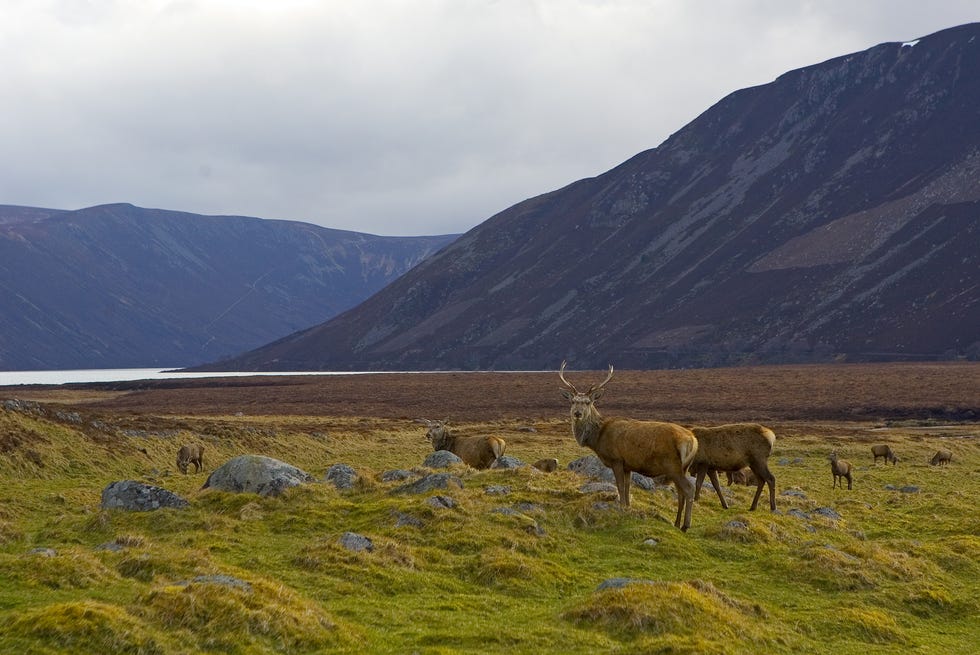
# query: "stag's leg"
763, 477
685, 501
698, 482
713, 474
622, 484
848, 482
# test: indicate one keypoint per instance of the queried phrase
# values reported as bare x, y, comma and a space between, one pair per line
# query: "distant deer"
191, 453
885, 452
942, 457
648, 447
478, 452
841, 469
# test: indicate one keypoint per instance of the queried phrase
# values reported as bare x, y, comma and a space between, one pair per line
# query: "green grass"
897, 571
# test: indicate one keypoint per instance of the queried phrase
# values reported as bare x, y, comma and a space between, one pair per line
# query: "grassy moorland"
891, 565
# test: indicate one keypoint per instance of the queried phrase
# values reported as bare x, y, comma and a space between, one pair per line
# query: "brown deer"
730, 448
885, 452
191, 453
476, 451
651, 448
841, 468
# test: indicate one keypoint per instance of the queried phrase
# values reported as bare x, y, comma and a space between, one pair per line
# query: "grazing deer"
942, 457
730, 448
191, 453
651, 448
885, 452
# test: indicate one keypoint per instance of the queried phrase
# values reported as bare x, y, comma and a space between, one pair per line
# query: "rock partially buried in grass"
342, 476
441, 459
591, 467
256, 474
507, 462
430, 483
139, 497
356, 542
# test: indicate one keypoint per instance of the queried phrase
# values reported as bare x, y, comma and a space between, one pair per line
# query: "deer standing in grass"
651, 448
841, 469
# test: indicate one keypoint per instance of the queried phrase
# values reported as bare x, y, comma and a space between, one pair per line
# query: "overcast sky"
382, 116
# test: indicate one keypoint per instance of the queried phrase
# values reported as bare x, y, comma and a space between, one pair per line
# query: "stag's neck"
587, 430
445, 442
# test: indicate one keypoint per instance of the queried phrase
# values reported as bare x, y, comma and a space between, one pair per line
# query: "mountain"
830, 215
119, 286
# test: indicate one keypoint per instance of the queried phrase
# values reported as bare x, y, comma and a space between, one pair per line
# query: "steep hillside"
831, 214
120, 286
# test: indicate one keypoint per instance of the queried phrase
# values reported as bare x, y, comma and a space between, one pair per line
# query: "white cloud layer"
383, 116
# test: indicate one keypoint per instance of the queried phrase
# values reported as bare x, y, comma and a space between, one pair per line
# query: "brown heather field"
841, 392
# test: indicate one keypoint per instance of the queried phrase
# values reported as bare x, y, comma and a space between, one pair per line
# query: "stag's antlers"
592, 389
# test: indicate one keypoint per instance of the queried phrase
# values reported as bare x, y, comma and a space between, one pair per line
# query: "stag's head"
437, 434
583, 403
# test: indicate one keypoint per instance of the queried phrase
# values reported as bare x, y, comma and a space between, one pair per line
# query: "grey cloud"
386, 117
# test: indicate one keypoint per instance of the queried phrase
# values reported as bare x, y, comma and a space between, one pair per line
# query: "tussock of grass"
832, 569
742, 529
871, 626
231, 619
79, 627
70, 568
694, 609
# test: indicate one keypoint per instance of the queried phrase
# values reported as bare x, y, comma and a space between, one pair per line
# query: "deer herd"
655, 449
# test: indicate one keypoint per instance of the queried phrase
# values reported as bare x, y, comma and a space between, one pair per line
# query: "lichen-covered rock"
507, 462
430, 483
828, 512
341, 475
592, 467
440, 502
620, 583
356, 542
139, 497
441, 459
397, 475
256, 474
221, 580
599, 487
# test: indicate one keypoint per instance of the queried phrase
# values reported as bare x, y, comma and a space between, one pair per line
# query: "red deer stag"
648, 447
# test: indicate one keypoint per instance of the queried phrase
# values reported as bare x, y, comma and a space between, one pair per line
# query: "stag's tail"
687, 450
498, 445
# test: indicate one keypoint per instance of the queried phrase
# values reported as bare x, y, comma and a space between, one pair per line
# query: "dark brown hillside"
829, 215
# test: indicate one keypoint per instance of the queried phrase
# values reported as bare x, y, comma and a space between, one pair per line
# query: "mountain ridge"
119, 286
829, 215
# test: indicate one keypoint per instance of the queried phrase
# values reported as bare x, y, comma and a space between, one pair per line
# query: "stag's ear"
596, 394
565, 392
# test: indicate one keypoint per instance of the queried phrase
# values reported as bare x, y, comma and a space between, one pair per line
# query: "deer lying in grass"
841, 468
191, 453
651, 448
547, 464
478, 452
942, 457
885, 452
743, 476
730, 448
